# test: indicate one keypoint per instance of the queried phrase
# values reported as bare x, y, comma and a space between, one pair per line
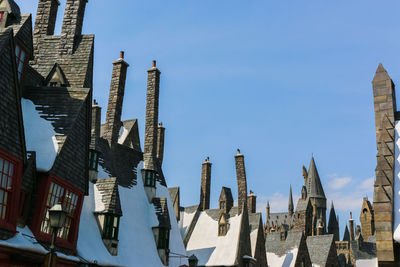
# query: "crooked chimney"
72, 25
115, 100
241, 180
160, 142
205, 184
151, 126
45, 22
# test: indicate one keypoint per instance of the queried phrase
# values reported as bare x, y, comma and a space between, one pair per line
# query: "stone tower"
333, 224
241, 180
385, 109
290, 204
367, 219
316, 193
205, 184
115, 100
151, 127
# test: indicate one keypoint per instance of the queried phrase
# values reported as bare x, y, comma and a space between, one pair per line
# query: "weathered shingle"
319, 248
108, 189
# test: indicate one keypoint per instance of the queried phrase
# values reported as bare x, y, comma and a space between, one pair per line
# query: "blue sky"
278, 79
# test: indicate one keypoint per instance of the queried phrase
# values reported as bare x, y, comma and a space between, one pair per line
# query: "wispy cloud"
339, 182
367, 184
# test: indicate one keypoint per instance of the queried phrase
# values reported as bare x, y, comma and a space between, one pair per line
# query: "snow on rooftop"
139, 216
253, 240
211, 249
176, 247
25, 240
396, 226
287, 260
367, 263
185, 221
40, 136
98, 200
123, 133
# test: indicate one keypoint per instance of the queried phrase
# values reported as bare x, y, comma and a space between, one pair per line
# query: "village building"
228, 235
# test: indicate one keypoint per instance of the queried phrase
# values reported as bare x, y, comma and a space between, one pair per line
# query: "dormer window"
222, 205
222, 229
149, 178
111, 227
163, 238
93, 160
20, 55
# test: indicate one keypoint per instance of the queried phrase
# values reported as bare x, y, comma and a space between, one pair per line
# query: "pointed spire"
314, 186
381, 74
290, 208
333, 224
346, 236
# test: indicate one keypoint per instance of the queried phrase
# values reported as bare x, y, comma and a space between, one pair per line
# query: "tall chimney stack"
160, 142
252, 202
205, 184
151, 127
72, 25
45, 22
96, 120
115, 100
241, 180
351, 226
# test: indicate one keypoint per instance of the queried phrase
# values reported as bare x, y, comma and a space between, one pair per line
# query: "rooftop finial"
154, 64
207, 159
122, 55
95, 103
238, 151
251, 193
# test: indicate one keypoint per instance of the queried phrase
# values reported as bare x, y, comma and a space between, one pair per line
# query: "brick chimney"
45, 22
160, 143
205, 184
96, 119
115, 100
241, 180
151, 127
72, 25
252, 202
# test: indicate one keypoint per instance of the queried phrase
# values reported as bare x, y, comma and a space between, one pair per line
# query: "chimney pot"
95, 102
154, 64
351, 215
122, 55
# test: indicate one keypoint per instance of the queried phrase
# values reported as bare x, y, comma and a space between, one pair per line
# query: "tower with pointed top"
333, 224
290, 204
385, 110
367, 219
316, 193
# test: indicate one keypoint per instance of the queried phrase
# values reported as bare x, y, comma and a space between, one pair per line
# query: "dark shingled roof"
367, 250
346, 235
190, 209
333, 223
13, 7
119, 161
173, 193
108, 189
314, 186
161, 207
318, 248
302, 204
273, 243
133, 132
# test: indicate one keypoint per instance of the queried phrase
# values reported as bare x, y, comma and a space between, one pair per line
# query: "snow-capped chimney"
241, 180
160, 142
115, 100
151, 127
205, 184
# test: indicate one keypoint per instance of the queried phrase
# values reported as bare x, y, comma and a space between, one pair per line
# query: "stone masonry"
205, 185
241, 180
45, 21
151, 127
72, 25
160, 142
385, 109
115, 100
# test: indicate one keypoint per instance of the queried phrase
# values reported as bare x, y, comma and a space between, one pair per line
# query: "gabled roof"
128, 135
255, 221
226, 193
319, 248
381, 74
108, 189
314, 186
302, 204
346, 235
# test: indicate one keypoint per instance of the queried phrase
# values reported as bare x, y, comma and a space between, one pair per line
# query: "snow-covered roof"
40, 136
139, 216
367, 263
186, 217
285, 260
25, 240
211, 249
282, 253
396, 226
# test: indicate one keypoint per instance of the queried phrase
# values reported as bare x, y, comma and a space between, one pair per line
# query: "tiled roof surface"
318, 248
108, 189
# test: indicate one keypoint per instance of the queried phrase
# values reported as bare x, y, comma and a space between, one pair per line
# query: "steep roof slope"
314, 186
